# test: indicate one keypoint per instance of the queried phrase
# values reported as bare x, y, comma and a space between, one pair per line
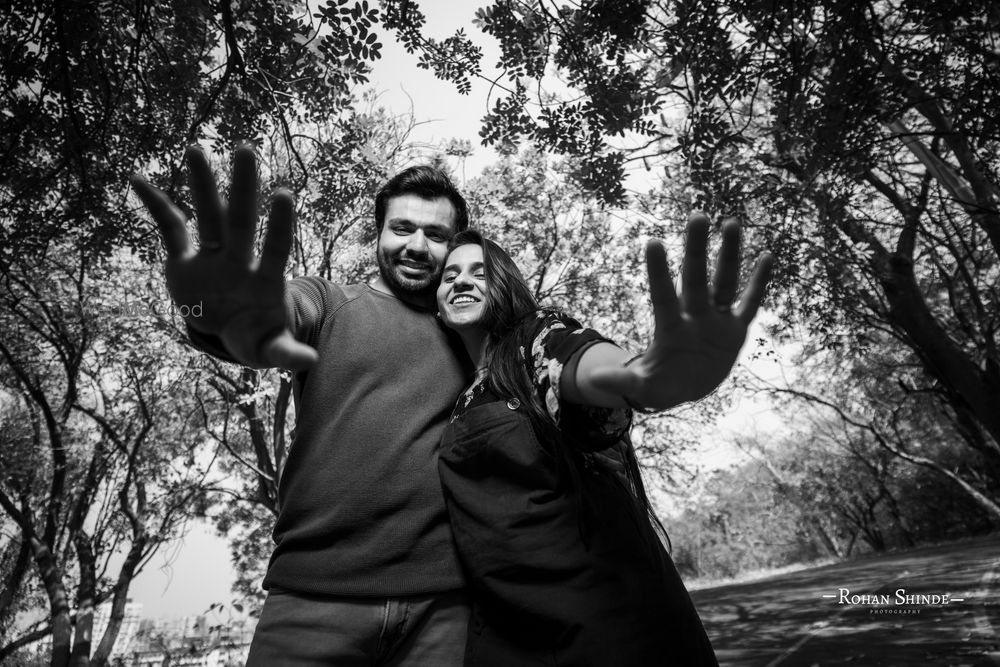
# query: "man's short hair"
426, 182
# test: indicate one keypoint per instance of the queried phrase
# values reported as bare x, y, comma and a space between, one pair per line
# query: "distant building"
189, 641
192, 641
234, 655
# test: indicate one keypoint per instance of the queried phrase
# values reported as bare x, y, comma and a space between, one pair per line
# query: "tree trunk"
62, 627
118, 602
971, 390
83, 632
8, 595
86, 589
824, 537
992, 509
968, 386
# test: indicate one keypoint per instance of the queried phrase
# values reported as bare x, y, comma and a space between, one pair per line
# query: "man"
363, 571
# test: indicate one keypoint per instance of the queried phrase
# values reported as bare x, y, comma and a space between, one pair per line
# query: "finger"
727, 267
752, 296
620, 381
238, 234
170, 219
283, 351
278, 237
694, 274
666, 307
205, 192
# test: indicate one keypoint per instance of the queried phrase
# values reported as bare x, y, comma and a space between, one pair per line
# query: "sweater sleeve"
306, 301
557, 343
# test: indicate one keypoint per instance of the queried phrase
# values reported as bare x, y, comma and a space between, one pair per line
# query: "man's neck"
419, 299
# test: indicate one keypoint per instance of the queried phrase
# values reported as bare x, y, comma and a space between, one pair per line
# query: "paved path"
786, 621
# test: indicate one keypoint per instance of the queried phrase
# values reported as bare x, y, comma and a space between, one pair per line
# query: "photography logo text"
899, 602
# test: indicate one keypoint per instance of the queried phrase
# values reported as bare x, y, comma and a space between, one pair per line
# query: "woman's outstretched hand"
698, 333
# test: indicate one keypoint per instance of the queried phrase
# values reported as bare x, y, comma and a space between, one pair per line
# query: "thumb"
285, 352
616, 380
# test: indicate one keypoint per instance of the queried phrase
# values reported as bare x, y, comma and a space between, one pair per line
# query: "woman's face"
461, 296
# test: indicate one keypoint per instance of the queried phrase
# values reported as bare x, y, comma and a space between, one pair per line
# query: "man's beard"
418, 287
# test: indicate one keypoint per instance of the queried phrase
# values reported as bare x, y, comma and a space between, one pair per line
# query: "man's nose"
417, 242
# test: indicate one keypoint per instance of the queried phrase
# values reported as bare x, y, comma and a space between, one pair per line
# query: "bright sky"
185, 577
440, 111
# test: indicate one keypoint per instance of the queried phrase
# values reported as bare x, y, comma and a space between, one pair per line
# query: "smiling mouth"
463, 299
414, 266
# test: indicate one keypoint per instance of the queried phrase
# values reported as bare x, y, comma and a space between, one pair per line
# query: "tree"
94, 91
869, 407
101, 462
824, 488
736, 521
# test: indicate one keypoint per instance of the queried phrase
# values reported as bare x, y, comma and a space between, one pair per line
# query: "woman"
548, 510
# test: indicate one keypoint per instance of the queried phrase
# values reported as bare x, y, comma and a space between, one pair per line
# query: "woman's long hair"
509, 304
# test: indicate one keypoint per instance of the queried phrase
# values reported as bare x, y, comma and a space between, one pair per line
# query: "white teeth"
462, 299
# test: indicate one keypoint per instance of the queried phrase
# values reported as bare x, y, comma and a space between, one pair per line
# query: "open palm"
698, 334
236, 298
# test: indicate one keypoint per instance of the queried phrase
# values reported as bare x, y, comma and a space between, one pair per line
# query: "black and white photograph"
500, 333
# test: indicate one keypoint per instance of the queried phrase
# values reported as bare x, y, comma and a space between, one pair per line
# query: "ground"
786, 620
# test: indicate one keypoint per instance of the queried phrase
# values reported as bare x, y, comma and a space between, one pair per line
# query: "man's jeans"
411, 631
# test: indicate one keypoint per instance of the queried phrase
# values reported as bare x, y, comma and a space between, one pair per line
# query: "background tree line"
857, 140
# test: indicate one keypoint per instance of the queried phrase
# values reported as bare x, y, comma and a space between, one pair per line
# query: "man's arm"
241, 300
698, 334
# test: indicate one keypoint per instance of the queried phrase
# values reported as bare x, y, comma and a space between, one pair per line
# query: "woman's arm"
578, 387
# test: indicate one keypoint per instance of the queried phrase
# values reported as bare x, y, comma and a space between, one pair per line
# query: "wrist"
630, 401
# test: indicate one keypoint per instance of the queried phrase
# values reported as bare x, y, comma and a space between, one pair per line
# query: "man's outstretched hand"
236, 298
698, 334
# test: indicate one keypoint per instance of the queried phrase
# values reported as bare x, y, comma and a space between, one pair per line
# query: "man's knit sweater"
361, 509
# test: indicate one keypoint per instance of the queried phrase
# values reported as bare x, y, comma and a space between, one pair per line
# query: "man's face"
414, 242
